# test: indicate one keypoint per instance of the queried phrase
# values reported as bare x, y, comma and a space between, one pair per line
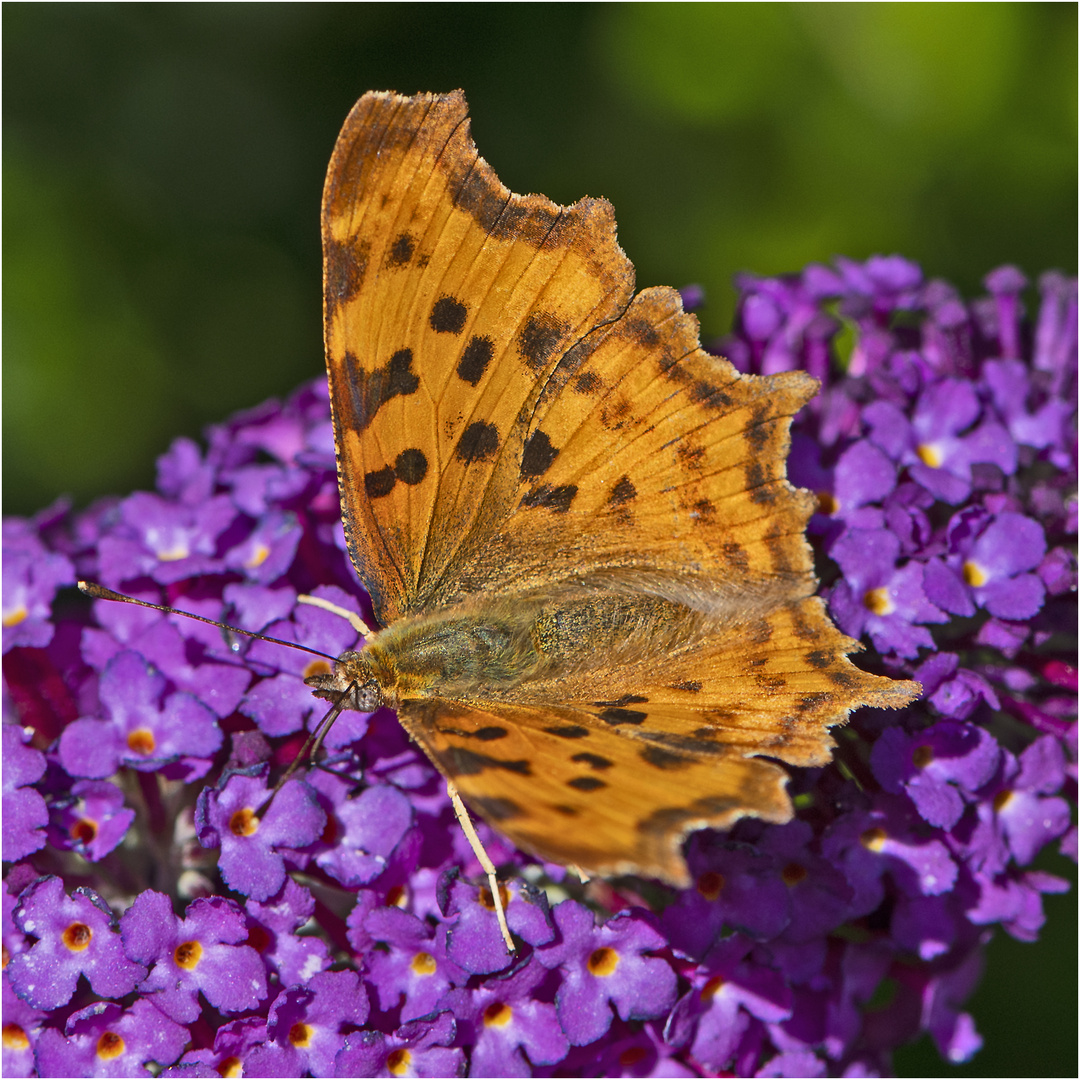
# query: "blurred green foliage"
163, 167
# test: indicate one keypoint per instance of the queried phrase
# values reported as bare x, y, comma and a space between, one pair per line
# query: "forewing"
448, 303
647, 458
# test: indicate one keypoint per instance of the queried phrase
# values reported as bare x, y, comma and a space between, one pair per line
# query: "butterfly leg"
489, 867
354, 620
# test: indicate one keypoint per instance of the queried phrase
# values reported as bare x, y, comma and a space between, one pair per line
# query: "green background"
163, 166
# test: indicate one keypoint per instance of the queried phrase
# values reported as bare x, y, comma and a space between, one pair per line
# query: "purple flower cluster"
358, 937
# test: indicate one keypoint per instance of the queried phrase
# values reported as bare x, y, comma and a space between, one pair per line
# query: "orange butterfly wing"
448, 302
515, 428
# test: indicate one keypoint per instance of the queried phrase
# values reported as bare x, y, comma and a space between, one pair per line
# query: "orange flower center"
244, 822
423, 963
710, 884
826, 502
397, 1061
485, 898
188, 954
300, 1034
878, 601
77, 936
497, 1014
83, 831
15, 616
14, 1038
1002, 799
921, 756
109, 1046
874, 839
231, 1068
929, 454
257, 557
974, 574
141, 741
603, 961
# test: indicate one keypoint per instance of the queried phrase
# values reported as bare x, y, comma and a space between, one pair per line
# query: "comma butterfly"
573, 523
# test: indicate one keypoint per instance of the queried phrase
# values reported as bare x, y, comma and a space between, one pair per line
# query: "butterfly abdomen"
455, 655
607, 627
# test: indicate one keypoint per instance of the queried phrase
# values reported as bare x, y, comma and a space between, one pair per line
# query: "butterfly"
573, 523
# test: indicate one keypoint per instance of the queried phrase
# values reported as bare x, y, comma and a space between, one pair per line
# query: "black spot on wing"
613, 415
615, 717
642, 331
568, 731
691, 686
371, 390
841, 676
539, 338
448, 316
819, 659
475, 359
780, 547
484, 734
770, 684
379, 484
663, 759
411, 466
469, 763
566, 811
400, 252
735, 556
587, 783
801, 626
757, 483
346, 265
810, 702
556, 499
538, 454
623, 492
588, 382
757, 435
626, 699
720, 716
690, 455
703, 512
478, 442
709, 395
595, 761
496, 809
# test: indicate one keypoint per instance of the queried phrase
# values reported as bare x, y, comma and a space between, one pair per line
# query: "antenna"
99, 592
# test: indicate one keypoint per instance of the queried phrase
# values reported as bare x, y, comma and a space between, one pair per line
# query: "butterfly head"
353, 677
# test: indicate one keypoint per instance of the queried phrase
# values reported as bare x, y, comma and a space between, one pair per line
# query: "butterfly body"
573, 523
497, 650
